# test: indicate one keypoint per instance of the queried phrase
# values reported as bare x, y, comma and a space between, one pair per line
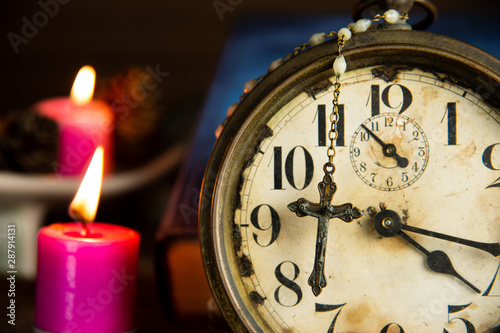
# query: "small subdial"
389, 151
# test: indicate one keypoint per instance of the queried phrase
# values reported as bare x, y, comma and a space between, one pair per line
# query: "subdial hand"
388, 149
388, 223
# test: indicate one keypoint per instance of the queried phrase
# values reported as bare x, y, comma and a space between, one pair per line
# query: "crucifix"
324, 212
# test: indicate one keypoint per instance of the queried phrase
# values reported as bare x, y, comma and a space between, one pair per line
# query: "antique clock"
356, 187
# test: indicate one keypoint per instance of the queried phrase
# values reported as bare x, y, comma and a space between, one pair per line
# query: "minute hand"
491, 248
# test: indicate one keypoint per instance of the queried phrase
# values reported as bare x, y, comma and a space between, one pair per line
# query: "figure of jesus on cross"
324, 211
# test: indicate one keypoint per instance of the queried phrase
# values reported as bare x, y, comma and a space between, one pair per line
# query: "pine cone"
28, 142
137, 115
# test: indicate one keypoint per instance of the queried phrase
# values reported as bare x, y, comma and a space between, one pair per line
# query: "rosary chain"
391, 16
334, 116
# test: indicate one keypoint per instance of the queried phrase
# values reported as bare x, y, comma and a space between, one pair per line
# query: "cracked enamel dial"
416, 153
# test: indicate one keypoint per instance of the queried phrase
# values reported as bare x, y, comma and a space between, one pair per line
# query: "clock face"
415, 150
389, 151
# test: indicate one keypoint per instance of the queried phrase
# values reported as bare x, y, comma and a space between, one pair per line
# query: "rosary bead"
231, 108
339, 65
362, 25
218, 130
345, 33
391, 16
275, 64
317, 39
250, 85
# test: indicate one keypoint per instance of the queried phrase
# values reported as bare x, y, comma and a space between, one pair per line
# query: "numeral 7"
328, 308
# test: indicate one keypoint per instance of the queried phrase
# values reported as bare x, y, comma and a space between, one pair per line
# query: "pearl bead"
362, 25
391, 16
219, 130
345, 33
339, 65
317, 39
231, 108
275, 64
250, 85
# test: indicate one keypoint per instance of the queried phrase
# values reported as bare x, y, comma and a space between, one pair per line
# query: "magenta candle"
86, 284
82, 128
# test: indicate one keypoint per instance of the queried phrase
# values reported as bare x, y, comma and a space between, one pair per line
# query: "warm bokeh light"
84, 206
83, 87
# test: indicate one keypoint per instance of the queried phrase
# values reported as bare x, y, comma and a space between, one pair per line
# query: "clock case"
389, 51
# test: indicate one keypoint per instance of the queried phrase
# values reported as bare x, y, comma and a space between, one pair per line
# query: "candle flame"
83, 87
84, 205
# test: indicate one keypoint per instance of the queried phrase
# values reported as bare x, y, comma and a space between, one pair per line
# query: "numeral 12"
407, 98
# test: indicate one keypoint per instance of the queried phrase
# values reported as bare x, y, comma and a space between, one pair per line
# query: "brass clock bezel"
463, 64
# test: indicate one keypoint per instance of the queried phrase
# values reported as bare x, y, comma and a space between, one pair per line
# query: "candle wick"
85, 229
77, 217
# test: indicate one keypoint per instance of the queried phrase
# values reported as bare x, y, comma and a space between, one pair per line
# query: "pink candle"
86, 284
84, 124
87, 272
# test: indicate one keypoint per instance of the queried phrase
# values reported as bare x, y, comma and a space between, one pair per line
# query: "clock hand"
491, 248
388, 224
388, 149
438, 261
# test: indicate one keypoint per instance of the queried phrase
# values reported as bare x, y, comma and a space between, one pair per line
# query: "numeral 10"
289, 168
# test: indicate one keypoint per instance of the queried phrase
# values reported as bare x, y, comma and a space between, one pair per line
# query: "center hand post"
388, 224
388, 149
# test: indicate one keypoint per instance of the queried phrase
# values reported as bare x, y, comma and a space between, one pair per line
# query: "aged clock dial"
395, 162
417, 152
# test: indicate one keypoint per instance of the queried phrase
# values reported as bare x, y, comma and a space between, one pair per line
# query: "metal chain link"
329, 167
337, 85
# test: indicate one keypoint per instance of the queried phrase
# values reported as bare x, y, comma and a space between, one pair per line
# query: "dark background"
185, 37
182, 37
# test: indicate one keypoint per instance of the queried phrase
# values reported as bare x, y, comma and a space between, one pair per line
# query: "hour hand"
388, 223
388, 149
438, 261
